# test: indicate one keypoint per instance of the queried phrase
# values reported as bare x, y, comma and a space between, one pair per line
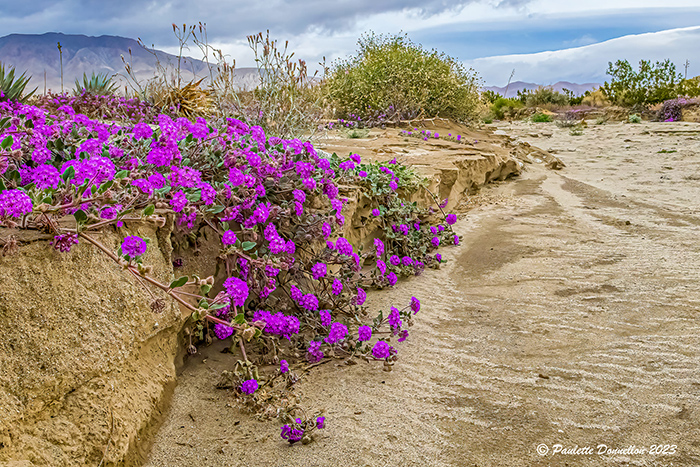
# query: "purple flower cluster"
64, 242
222, 331
133, 246
381, 350
364, 333
313, 352
319, 270
249, 386
229, 238
15, 203
237, 290
278, 323
337, 333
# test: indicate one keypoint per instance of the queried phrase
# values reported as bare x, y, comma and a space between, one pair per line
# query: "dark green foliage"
649, 85
489, 97
12, 87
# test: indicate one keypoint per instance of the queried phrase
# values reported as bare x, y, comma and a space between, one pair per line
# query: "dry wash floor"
569, 315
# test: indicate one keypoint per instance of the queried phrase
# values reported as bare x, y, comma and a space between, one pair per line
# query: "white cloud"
589, 63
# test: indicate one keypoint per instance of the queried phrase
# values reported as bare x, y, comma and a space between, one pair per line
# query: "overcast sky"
475, 31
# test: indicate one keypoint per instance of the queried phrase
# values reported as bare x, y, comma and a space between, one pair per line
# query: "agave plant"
97, 84
189, 101
12, 88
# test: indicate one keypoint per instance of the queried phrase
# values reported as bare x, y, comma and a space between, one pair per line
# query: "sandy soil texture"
569, 315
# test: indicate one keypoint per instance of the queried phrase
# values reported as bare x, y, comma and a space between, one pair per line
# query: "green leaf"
106, 186
121, 174
149, 210
203, 303
162, 191
80, 216
179, 282
68, 174
2, 186
59, 145
248, 246
239, 319
194, 197
216, 209
7, 142
218, 306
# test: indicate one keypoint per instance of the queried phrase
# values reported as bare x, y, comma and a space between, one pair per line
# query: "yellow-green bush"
505, 108
392, 76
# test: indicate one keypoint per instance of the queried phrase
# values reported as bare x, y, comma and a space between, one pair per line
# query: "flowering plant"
293, 283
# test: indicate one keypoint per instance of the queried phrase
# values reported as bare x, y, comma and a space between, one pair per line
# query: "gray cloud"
226, 20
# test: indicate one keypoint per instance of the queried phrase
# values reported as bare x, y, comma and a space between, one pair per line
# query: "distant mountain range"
38, 55
516, 86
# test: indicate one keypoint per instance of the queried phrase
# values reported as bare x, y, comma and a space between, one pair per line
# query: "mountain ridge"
37, 54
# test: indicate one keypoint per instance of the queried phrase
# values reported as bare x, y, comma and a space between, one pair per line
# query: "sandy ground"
569, 315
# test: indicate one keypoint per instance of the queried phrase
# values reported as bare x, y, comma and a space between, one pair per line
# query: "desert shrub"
570, 119
286, 102
602, 120
634, 118
394, 76
544, 96
541, 118
672, 109
595, 99
12, 87
505, 107
576, 130
294, 287
689, 87
97, 84
650, 84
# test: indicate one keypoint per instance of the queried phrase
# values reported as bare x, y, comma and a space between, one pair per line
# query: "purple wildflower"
319, 270
337, 286
451, 218
361, 296
325, 317
381, 350
415, 305
237, 290
313, 352
337, 333
222, 331
364, 333
284, 366
249, 386
229, 237
133, 246
15, 203
64, 242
